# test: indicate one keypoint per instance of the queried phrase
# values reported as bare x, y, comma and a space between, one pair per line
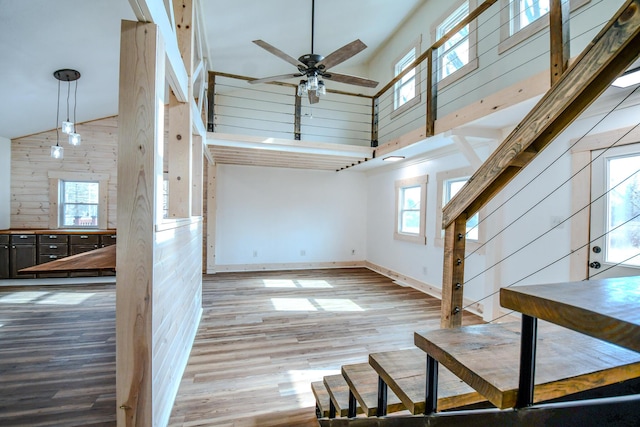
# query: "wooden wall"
31, 162
177, 308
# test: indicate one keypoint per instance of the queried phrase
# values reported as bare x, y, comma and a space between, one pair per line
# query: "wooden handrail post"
453, 274
211, 93
375, 105
559, 38
432, 93
297, 117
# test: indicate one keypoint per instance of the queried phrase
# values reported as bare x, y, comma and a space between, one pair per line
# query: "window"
520, 19
450, 189
410, 209
406, 92
79, 203
525, 12
458, 55
78, 200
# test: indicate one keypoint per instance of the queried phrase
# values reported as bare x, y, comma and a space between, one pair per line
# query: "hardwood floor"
263, 338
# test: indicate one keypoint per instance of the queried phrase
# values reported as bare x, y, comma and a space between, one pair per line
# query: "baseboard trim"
471, 306
236, 268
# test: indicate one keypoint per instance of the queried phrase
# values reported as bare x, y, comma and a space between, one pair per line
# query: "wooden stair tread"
363, 381
404, 371
487, 358
605, 309
322, 397
338, 391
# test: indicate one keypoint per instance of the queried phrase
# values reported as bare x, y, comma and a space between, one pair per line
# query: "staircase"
585, 352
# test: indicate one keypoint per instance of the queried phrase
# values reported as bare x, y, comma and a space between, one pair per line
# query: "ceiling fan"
314, 66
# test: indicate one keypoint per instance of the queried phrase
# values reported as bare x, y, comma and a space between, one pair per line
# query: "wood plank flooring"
263, 338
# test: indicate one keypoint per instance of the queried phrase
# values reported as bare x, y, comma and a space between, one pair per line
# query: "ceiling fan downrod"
313, 22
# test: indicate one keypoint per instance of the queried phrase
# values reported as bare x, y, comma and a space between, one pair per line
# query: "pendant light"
67, 126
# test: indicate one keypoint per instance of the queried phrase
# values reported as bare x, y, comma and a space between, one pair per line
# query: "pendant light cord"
58, 117
75, 103
68, 96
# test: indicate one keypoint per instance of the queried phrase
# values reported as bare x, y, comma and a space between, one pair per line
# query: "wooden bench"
363, 383
404, 372
487, 358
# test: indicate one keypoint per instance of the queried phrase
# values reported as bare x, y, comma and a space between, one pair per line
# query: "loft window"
405, 89
525, 12
411, 195
454, 53
79, 204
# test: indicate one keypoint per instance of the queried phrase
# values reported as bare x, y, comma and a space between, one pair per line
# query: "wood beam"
559, 38
211, 96
609, 54
142, 82
432, 95
155, 11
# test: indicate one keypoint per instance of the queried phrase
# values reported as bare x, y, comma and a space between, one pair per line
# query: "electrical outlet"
353, 251
255, 254
303, 252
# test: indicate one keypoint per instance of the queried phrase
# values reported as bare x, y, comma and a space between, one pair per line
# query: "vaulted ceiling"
40, 36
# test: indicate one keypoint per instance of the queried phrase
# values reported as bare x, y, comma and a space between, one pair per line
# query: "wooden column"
432, 94
142, 82
559, 38
211, 218
197, 182
180, 121
375, 106
453, 274
211, 93
297, 117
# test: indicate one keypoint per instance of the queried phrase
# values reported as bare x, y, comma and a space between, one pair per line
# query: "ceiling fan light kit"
314, 67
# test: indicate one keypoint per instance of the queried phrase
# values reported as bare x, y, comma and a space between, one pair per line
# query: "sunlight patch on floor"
65, 298
22, 297
338, 304
315, 284
278, 283
315, 304
293, 304
299, 384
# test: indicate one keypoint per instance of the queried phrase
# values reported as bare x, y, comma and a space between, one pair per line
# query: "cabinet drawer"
53, 249
54, 239
4, 239
85, 239
23, 239
48, 258
78, 249
107, 240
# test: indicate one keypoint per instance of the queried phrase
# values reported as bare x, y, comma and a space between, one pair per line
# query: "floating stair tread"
404, 371
322, 397
487, 358
363, 381
338, 390
605, 309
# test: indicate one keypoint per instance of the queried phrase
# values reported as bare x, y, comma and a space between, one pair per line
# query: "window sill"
406, 107
413, 238
458, 74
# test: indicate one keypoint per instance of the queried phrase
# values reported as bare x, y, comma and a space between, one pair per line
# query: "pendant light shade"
67, 126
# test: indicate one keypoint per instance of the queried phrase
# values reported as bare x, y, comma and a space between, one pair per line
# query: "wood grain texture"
611, 52
322, 397
265, 336
141, 62
487, 358
31, 199
453, 273
606, 309
404, 371
338, 391
98, 259
362, 380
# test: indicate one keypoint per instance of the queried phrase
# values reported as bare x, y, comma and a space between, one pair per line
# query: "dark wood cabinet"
18, 251
5, 272
22, 254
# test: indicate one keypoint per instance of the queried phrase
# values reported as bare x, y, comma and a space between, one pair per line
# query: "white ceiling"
38, 37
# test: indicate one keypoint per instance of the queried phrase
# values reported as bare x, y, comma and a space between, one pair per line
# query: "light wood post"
211, 218
453, 274
142, 83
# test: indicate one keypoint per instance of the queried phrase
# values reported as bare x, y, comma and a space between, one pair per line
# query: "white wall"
275, 214
5, 183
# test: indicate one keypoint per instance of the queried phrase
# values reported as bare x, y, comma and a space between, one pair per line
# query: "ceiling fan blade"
280, 54
352, 80
313, 97
275, 78
342, 54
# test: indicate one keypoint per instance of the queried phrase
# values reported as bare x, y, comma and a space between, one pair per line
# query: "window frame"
421, 236
508, 40
442, 178
55, 205
397, 110
62, 203
472, 64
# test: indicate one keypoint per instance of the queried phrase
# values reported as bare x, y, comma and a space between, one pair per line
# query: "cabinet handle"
13, 246
53, 237
53, 257
22, 236
84, 237
53, 246
113, 237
